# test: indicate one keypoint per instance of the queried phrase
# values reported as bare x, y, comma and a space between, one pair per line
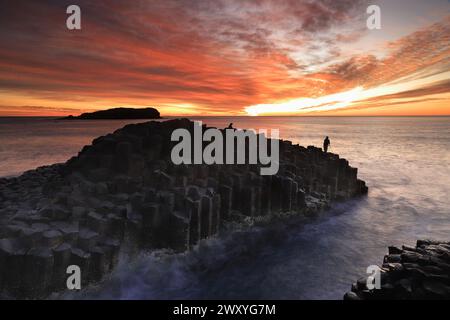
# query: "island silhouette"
117, 114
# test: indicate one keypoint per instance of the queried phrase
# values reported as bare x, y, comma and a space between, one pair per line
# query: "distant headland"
117, 114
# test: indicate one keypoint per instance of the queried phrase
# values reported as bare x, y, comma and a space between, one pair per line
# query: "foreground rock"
123, 194
422, 272
118, 113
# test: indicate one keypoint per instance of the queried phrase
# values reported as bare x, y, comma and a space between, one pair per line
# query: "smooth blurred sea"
405, 161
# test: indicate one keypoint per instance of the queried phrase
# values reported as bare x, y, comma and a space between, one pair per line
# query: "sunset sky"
222, 57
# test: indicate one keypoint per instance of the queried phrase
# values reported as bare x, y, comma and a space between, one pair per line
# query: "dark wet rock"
87, 238
82, 259
62, 255
100, 264
351, 296
78, 213
410, 273
12, 265
122, 194
393, 258
38, 272
52, 238
436, 289
394, 250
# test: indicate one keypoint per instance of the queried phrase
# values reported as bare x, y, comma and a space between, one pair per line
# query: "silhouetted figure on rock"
326, 144
230, 126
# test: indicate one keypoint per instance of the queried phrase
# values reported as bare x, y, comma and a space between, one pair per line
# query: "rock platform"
410, 273
122, 194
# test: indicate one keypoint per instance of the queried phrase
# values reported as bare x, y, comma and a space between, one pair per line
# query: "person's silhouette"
326, 144
230, 126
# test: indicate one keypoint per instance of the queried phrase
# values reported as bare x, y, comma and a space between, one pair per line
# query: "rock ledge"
123, 194
408, 273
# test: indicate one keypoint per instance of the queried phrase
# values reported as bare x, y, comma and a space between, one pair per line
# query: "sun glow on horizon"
332, 101
342, 100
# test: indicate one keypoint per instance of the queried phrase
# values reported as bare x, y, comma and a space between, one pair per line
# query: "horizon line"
248, 116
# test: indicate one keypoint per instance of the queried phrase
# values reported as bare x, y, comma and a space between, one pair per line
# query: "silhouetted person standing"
230, 126
326, 144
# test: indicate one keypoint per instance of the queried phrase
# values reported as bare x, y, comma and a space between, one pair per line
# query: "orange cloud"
198, 57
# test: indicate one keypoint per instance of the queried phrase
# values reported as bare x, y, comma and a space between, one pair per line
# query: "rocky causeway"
122, 194
417, 273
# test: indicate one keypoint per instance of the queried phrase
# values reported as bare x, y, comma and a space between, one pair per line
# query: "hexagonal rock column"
123, 194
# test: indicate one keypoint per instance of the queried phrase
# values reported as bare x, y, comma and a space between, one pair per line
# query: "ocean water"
405, 161
30, 142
